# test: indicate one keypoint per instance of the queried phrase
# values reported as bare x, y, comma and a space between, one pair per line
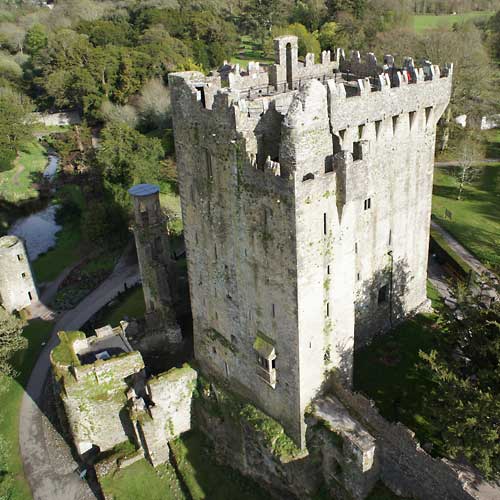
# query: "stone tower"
156, 267
17, 287
306, 199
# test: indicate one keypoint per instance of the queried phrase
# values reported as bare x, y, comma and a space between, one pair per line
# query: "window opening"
200, 95
368, 204
357, 151
308, 177
324, 223
378, 125
382, 294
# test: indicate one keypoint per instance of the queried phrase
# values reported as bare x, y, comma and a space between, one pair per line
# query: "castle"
306, 201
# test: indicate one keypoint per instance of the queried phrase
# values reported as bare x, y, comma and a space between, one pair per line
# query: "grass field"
423, 22
475, 219
16, 184
130, 304
13, 485
66, 251
386, 372
141, 480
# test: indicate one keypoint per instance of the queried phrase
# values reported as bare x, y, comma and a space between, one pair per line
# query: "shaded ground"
249, 50
386, 371
204, 478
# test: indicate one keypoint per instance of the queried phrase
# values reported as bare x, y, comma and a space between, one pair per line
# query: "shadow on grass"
387, 371
204, 478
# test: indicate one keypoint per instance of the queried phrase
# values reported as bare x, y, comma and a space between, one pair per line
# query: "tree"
331, 36
468, 151
464, 371
308, 43
11, 340
36, 39
154, 105
128, 157
15, 124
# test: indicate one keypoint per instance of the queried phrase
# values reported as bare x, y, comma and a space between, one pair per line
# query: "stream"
39, 229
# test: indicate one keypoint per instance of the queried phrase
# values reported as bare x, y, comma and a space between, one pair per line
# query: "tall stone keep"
17, 287
153, 251
306, 199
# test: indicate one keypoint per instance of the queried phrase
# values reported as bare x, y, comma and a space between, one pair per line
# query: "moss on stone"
64, 354
214, 335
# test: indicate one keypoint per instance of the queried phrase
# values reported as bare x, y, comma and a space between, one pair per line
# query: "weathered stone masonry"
306, 210
17, 286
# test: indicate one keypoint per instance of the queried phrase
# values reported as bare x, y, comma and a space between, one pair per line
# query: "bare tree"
468, 151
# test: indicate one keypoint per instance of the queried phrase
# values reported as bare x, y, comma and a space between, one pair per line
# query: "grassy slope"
427, 21
141, 480
207, 480
15, 188
130, 304
475, 219
15, 486
385, 371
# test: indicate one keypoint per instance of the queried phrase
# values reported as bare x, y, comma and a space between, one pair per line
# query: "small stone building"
17, 286
108, 400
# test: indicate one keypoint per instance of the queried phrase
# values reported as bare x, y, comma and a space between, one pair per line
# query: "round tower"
153, 252
17, 287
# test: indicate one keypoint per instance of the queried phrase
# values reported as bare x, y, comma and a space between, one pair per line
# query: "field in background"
475, 219
423, 22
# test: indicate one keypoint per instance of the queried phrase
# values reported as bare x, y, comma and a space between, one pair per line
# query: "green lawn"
16, 184
386, 372
141, 480
423, 22
129, 304
13, 484
475, 219
249, 51
207, 480
49, 265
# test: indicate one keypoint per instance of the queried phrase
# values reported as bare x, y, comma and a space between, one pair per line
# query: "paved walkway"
478, 163
51, 471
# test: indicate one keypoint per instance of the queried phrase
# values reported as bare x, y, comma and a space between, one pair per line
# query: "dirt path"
48, 464
478, 163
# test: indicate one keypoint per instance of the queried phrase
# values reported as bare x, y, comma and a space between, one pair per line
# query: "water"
38, 231
40, 228
51, 168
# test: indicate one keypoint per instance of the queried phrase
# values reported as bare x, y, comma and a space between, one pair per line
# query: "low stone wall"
404, 466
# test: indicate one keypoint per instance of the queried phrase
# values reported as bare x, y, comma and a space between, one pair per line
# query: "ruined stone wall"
94, 399
17, 286
169, 416
405, 467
